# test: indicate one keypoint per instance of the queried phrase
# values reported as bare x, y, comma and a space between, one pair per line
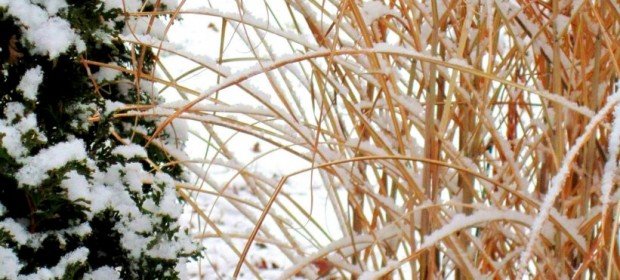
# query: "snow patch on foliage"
103, 273
111, 106
130, 151
49, 34
79, 255
11, 140
76, 186
16, 125
99, 184
52, 38
9, 264
125, 5
107, 73
82, 113
35, 168
29, 84
13, 111
52, 6
19, 233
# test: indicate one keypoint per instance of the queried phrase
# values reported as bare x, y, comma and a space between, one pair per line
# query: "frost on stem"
611, 166
560, 177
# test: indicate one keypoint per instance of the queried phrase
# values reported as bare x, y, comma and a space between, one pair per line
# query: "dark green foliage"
66, 97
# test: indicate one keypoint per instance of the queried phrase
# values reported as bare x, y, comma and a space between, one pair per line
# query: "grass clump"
448, 138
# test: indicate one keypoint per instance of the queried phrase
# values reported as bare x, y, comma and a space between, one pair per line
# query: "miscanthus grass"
445, 139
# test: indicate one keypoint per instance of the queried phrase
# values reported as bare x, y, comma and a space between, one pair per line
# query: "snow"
132, 242
35, 168
76, 256
611, 166
13, 110
170, 4
560, 177
49, 34
76, 185
137, 243
140, 224
52, 6
116, 188
373, 10
133, 176
578, 4
81, 112
13, 132
459, 61
425, 31
102, 197
82, 230
508, 9
19, 233
163, 251
52, 38
460, 221
348, 245
125, 5
369, 275
561, 22
234, 108
111, 106
28, 14
29, 123
29, 84
225, 215
130, 151
149, 205
110, 191
143, 26
149, 86
178, 131
11, 140
181, 269
169, 205
79, 255
9, 264
571, 226
103, 273
107, 73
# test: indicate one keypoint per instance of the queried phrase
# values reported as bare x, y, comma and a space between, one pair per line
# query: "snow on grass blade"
557, 183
